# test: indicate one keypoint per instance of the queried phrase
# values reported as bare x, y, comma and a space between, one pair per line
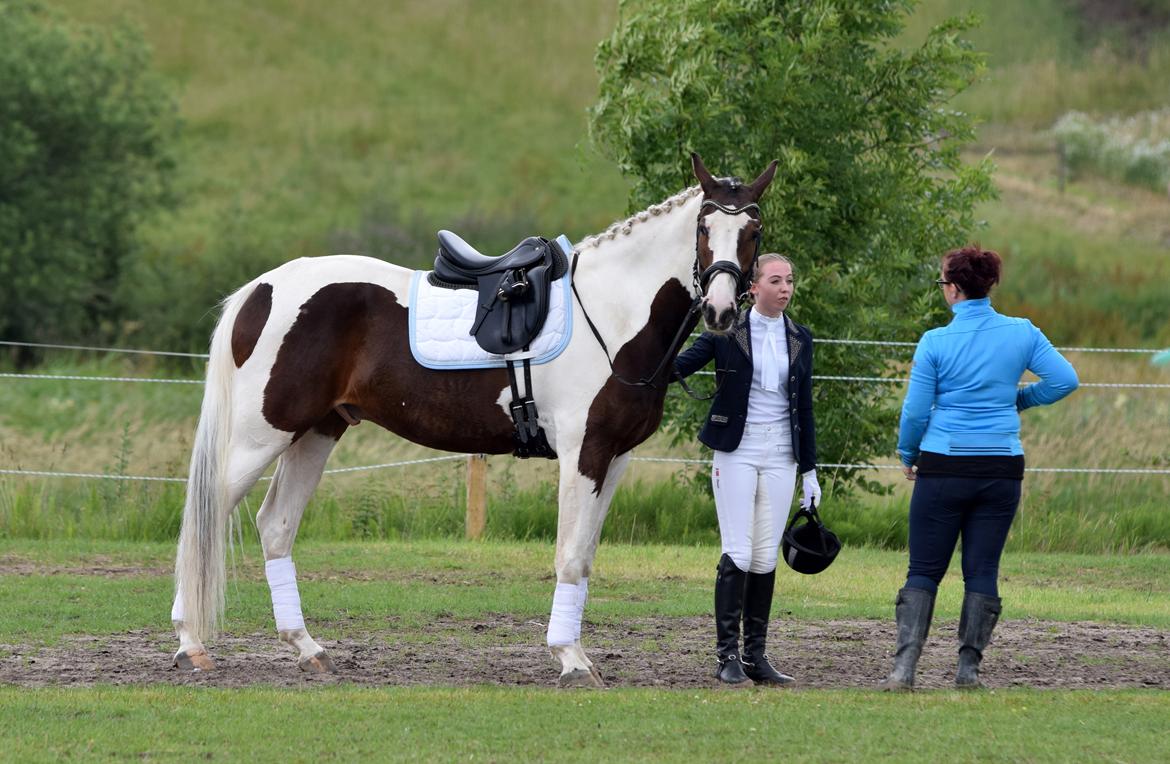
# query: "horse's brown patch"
349, 345
250, 323
622, 416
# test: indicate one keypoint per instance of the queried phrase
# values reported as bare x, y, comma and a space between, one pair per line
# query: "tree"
871, 187
85, 131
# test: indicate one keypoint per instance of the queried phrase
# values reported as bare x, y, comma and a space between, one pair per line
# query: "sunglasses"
943, 282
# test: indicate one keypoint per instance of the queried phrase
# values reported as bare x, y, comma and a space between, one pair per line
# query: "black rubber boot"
913, 611
977, 621
729, 586
757, 608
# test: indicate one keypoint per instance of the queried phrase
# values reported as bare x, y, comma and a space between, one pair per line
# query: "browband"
730, 210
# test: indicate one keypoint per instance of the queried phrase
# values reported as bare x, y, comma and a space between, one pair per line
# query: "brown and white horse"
300, 350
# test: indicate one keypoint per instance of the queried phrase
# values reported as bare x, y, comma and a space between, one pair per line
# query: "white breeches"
753, 488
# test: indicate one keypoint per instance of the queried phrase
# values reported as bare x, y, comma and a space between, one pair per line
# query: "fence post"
476, 495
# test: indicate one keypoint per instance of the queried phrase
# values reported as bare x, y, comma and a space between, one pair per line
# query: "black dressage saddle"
513, 288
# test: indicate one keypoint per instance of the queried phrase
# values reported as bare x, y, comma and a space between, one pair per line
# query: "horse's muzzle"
718, 320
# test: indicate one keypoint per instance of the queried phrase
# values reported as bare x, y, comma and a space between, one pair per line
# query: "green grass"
360, 585
1084, 287
412, 724
1062, 513
362, 128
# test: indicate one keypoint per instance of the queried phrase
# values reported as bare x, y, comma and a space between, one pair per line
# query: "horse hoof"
194, 661
320, 663
588, 679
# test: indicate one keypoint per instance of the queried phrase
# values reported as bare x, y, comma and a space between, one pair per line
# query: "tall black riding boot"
913, 610
977, 621
757, 607
729, 586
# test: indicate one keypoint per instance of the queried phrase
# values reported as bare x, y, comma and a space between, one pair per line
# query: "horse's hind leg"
582, 514
245, 465
297, 475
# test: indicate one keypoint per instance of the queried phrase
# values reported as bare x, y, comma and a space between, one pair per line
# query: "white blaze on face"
723, 239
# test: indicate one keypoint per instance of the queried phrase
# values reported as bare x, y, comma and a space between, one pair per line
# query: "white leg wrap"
564, 624
177, 608
582, 598
286, 600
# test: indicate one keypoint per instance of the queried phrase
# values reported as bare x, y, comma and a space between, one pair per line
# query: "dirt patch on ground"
644, 652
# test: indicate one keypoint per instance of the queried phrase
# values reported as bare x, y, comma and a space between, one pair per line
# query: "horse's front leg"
583, 507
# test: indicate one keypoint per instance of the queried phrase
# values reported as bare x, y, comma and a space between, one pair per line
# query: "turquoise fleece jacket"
964, 394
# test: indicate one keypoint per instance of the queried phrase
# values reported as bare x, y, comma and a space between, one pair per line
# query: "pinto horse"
298, 351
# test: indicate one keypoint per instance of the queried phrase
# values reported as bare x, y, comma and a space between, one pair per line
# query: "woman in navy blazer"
761, 428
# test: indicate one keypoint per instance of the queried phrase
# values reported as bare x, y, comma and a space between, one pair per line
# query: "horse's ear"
760, 184
705, 179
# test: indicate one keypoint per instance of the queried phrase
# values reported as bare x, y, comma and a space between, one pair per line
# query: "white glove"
810, 490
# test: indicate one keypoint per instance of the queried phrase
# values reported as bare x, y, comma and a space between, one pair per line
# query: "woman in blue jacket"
959, 441
761, 428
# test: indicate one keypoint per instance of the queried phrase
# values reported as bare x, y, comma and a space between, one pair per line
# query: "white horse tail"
200, 566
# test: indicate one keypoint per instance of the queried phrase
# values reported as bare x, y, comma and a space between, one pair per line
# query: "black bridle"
742, 279
701, 280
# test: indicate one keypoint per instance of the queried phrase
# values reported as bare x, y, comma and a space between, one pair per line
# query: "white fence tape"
818, 377
892, 343
80, 378
654, 459
148, 478
1083, 470
87, 348
826, 341
832, 378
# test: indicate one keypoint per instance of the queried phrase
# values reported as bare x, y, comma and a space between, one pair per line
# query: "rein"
671, 349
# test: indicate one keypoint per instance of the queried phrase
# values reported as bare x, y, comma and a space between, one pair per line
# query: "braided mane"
624, 226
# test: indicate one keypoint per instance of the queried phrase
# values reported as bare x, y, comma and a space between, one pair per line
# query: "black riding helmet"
809, 547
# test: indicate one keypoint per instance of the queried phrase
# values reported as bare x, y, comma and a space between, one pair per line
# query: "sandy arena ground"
646, 652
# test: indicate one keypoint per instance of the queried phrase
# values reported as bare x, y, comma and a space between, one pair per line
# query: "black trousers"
946, 508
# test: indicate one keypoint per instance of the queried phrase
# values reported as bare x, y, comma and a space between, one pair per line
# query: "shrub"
870, 190
1134, 149
85, 131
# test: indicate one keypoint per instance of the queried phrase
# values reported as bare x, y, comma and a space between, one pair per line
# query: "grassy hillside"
1046, 57
361, 127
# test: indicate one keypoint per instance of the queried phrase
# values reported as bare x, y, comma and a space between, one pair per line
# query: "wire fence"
816, 377
654, 459
648, 459
820, 340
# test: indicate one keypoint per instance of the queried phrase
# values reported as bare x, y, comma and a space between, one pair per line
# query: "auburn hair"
972, 269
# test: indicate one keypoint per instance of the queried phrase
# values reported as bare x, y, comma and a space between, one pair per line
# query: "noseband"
742, 280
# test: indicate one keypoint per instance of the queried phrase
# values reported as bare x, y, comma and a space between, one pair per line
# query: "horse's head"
727, 241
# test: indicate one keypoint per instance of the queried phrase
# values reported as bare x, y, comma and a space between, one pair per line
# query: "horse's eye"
703, 230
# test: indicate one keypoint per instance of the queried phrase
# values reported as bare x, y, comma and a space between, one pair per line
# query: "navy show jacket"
732, 353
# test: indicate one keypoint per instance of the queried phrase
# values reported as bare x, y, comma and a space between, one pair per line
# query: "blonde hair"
771, 257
